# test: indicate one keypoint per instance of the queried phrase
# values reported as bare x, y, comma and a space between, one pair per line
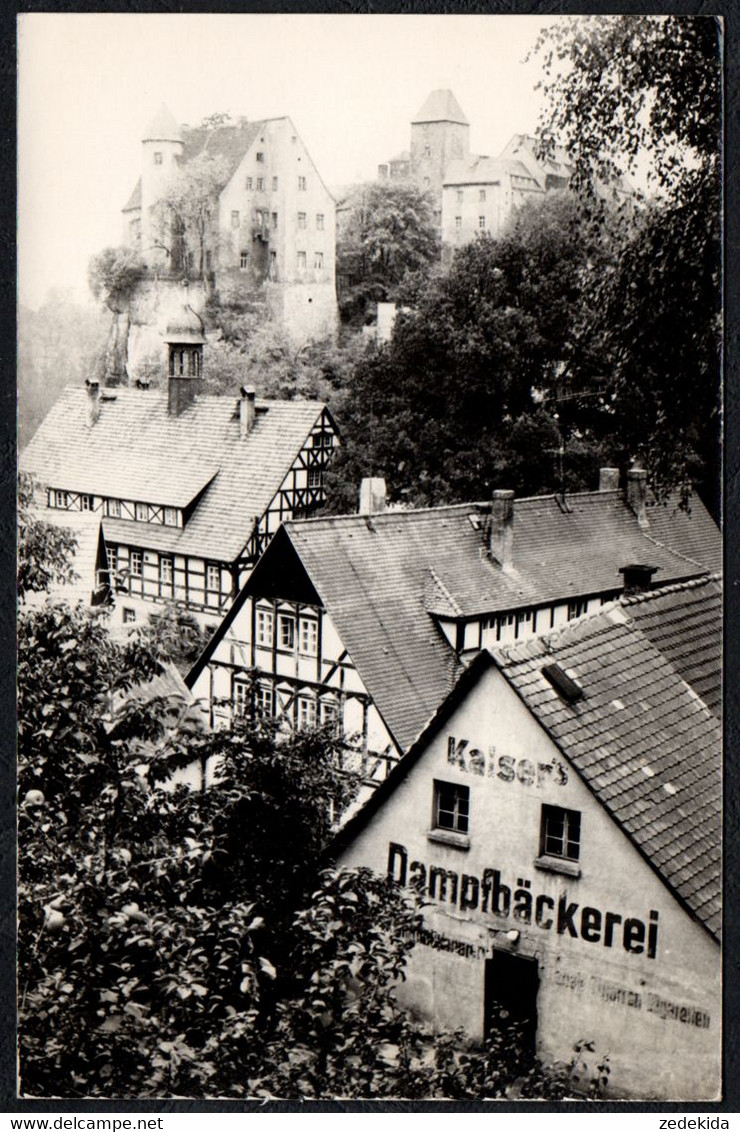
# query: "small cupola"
184, 338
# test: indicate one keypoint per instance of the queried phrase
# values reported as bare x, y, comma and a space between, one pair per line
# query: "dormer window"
170, 517
113, 508
142, 513
61, 499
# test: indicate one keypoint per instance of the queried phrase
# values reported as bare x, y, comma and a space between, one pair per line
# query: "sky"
88, 84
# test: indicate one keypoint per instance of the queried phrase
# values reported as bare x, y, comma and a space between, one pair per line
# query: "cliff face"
136, 341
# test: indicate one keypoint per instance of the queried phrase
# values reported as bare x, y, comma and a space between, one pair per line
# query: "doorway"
510, 996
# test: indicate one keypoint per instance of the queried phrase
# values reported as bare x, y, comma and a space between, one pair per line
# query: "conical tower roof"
440, 106
163, 127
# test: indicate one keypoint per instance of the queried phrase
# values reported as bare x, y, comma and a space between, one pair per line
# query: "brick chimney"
608, 479
247, 410
93, 401
372, 495
637, 494
501, 537
638, 577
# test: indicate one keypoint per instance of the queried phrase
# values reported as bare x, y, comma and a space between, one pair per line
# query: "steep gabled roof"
646, 746
134, 201
137, 450
477, 170
642, 740
381, 576
230, 143
440, 106
685, 622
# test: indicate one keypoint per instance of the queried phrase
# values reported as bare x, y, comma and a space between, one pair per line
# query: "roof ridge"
670, 588
453, 602
664, 546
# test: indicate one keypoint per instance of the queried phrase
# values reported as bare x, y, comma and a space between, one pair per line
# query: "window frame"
287, 644
136, 563
166, 584
318, 261
113, 508
319, 222
302, 220
243, 260
306, 714
240, 697
301, 184
458, 223
300, 261
235, 218
264, 638
308, 636
170, 517
453, 794
560, 851
274, 184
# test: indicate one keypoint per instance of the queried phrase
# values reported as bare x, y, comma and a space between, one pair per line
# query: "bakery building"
560, 816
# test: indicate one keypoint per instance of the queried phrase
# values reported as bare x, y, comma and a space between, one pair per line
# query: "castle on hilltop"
259, 228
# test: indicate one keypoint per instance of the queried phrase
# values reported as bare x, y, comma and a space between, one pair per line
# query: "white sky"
89, 83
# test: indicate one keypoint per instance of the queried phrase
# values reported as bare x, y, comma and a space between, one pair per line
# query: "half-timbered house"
368, 619
190, 488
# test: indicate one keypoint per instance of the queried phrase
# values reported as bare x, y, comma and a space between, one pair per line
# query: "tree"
113, 275
44, 551
390, 231
470, 393
622, 91
186, 210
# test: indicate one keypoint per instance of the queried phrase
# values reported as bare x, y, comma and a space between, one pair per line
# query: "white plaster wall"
585, 986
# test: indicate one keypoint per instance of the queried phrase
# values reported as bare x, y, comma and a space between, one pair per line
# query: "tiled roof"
136, 443
87, 556
134, 201
642, 740
378, 575
486, 171
369, 573
228, 142
163, 126
440, 106
685, 622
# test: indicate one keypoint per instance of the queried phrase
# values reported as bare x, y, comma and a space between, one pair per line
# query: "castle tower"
440, 133
162, 147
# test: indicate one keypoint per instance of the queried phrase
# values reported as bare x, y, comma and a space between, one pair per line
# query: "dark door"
511, 995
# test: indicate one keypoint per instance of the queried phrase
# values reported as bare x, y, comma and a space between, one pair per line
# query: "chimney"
608, 479
372, 495
637, 494
638, 578
93, 401
501, 538
247, 410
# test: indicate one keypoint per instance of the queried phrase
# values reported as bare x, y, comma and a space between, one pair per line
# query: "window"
165, 573
142, 513
482, 195
61, 499
258, 217
260, 184
329, 713
272, 269
170, 516
274, 184
113, 508
250, 183
265, 700
577, 608
318, 261
274, 219
286, 631
314, 477
213, 577
85, 503
459, 196
451, 807
209, 260
301, 220
235, 218
112, 553
302, 184
319, 222
135, 563
260, 158
305, 712
243, 260
426, 182
481, 221
560, 833
458, 221
309, 636
265, 627
241, 697
301, 257
157, 157
129, 616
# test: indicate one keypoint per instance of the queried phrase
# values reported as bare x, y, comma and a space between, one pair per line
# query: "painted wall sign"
613, 994
439, 942
487, 764
488, 893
